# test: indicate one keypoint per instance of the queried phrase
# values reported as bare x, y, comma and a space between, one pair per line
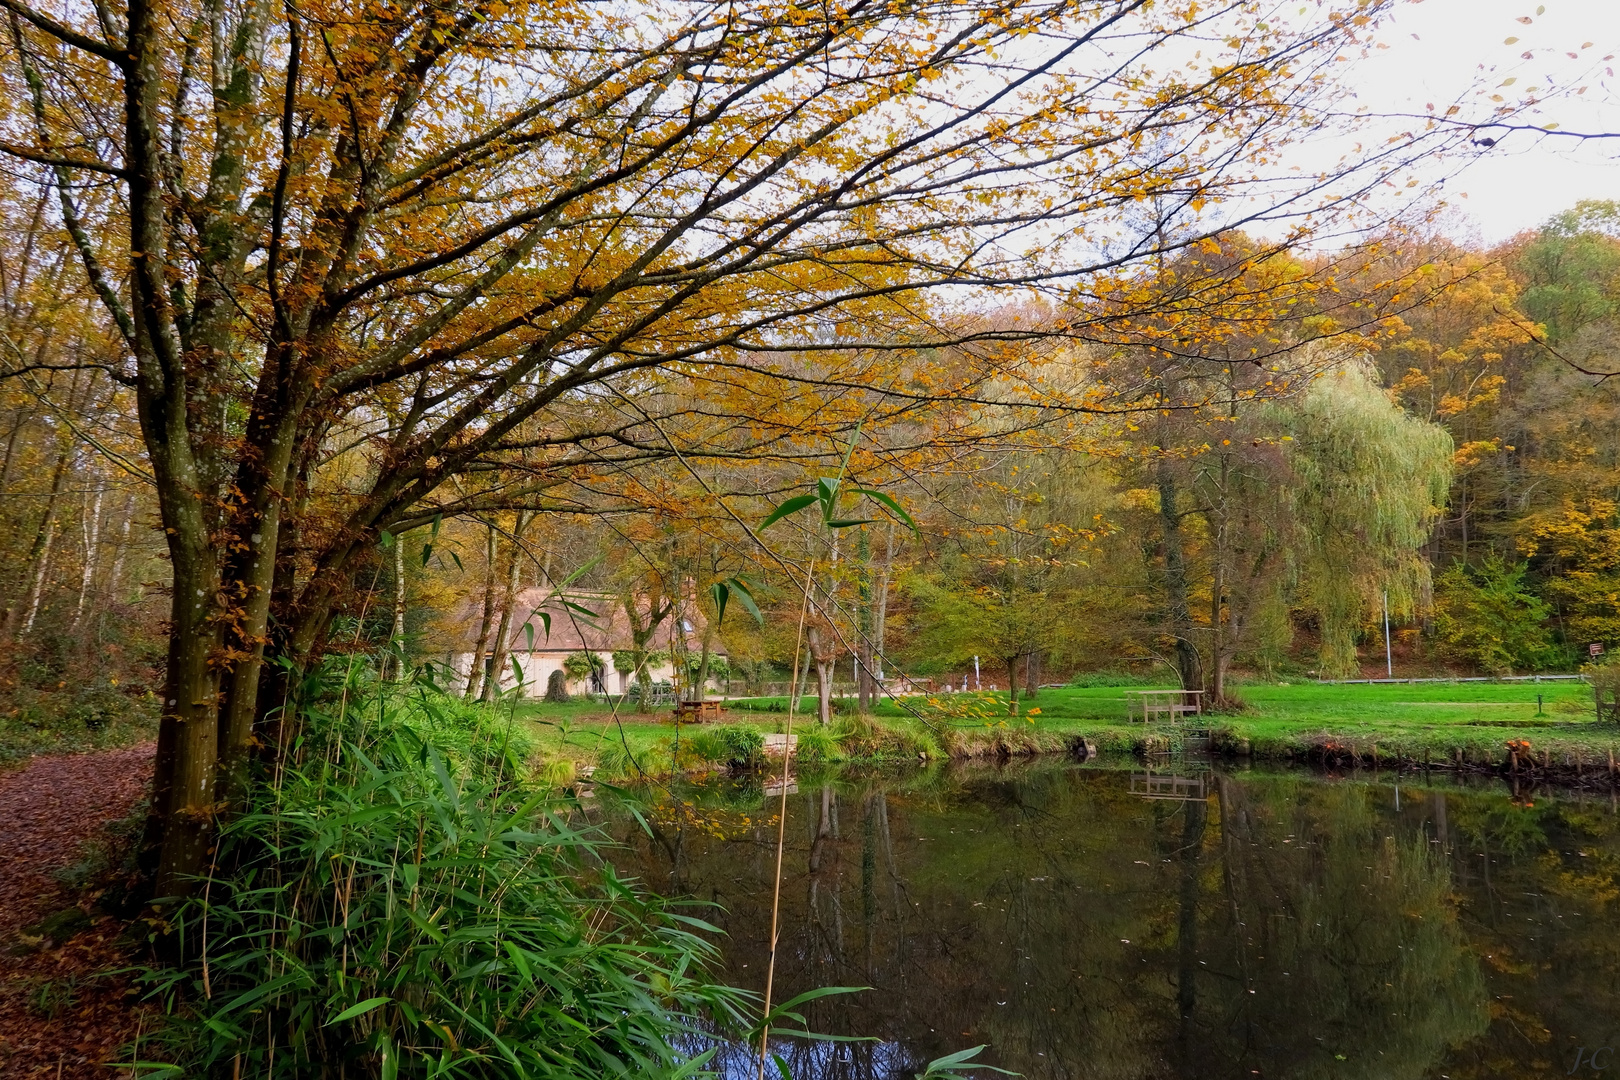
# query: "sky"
1436, 49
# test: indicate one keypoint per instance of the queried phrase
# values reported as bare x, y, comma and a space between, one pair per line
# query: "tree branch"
68, 35
28, 153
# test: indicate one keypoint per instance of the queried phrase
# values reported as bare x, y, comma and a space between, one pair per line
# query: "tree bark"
822, 653
1178, 616
864, 625
36, 587
116, 572
475, 667
11, 449
1218, 649
503, 635
23, 607
91, 530
396, 633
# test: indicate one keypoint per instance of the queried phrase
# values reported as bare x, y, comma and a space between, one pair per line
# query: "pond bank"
1574, 754
1581, 754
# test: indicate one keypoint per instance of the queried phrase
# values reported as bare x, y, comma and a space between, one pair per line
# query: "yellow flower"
1033, 712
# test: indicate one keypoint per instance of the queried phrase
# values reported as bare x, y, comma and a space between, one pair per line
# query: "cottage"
572, 633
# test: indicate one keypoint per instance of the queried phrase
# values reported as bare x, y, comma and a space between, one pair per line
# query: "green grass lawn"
1277, 718
590, 732
1419, 704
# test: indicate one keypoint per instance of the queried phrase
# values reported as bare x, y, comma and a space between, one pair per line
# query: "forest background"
319, 320
1459, 457
919, 331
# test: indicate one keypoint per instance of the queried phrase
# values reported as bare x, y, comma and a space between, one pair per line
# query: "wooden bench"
696, 712
1165, 703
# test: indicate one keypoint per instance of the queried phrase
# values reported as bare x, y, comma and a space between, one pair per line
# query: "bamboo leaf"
581, 572
745, 597
946, 1068
889, 502
355, 1010
791, 506
827, 492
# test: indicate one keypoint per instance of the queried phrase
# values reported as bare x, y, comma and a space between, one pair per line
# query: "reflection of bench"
1169, 704
696, 712
1151, 785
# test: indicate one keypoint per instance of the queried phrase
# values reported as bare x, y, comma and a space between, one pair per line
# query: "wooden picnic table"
697, 712
1168, 703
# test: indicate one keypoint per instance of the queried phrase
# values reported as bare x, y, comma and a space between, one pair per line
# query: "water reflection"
1094, 923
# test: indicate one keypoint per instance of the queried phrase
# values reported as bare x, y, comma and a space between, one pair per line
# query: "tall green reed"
397, 901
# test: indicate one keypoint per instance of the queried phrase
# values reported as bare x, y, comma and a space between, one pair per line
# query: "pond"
1185, 921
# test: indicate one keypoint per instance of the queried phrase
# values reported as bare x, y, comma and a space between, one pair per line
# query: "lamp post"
1389, 655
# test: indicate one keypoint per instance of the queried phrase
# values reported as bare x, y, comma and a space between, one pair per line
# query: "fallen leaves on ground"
61, 1013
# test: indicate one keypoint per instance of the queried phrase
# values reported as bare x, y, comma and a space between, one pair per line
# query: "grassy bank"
1444, 724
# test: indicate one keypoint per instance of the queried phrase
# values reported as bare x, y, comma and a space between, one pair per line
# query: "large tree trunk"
823, 652
1012, 683
503, 635
880, 620
1219, 651
475, 667
864, 626
1178, 615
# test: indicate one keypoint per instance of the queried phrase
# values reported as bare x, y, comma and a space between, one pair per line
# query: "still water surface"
1096, 921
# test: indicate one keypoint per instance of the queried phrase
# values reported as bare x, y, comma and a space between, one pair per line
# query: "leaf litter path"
60, 1016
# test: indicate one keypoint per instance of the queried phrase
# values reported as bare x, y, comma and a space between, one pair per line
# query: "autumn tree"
349, 252
1371, 480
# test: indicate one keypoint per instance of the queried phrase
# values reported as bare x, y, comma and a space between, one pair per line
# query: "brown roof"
604, 629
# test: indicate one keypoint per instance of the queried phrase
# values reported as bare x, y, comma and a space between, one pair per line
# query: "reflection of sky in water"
1094, 923
864, 1060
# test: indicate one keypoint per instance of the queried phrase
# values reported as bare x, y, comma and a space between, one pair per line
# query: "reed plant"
399, 900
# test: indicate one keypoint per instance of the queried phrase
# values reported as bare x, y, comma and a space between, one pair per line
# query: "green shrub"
580, 664
1486, 617
817, 744
1087, 680
732, 744
397, 906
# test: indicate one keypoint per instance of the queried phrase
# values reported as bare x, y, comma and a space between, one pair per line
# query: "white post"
1389, 656
977, 685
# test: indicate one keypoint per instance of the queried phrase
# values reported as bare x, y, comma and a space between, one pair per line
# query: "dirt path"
58, 1015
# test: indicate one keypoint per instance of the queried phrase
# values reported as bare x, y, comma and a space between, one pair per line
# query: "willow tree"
1369, 481
357, 250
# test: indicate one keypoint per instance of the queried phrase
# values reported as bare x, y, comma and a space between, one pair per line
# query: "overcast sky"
1437, 48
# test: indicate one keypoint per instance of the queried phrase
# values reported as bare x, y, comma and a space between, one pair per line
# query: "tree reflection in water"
1283, 925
